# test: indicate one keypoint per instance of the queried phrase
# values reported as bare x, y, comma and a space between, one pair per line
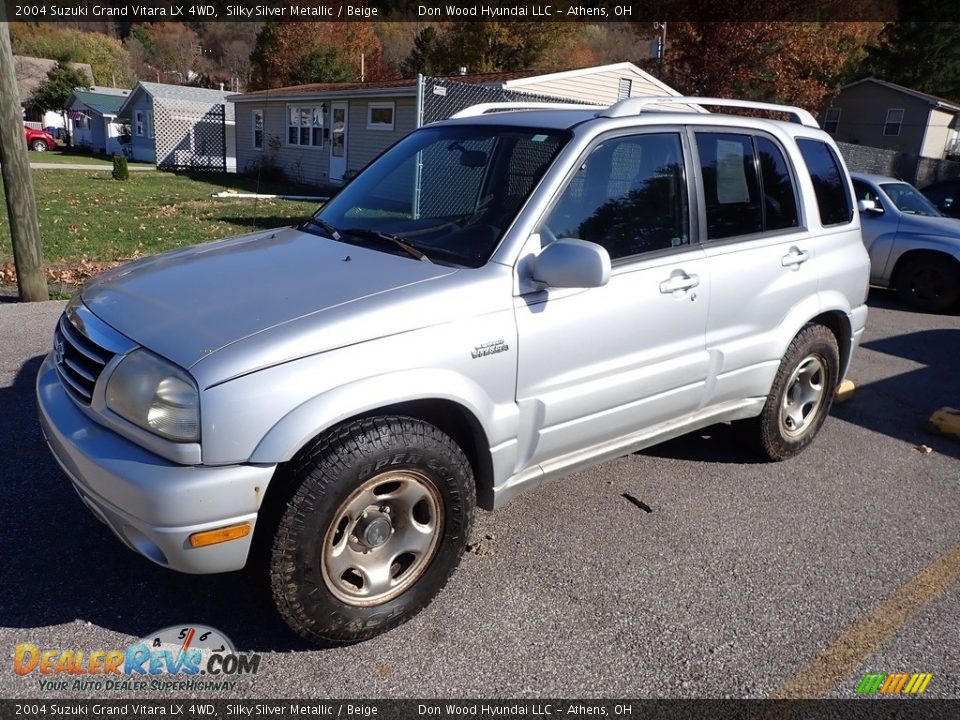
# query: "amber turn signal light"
212, 537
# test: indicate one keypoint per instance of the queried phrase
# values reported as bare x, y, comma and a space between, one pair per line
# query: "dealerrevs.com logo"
894, 683
177, 658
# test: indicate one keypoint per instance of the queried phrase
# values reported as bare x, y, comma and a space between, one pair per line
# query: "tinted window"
730, 186
829, 184
629, 196
862, 191
944, 196
909, 200
779, 198
450, 191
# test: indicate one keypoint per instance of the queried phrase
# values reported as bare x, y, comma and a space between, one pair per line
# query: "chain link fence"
440, 98
190, 135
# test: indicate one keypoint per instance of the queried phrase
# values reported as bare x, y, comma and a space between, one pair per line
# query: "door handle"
678, 282
795, 258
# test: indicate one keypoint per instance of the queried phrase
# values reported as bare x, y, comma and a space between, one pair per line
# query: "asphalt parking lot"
745, 579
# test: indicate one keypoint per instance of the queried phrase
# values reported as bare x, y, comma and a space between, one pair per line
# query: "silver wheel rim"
382, 538
803, 396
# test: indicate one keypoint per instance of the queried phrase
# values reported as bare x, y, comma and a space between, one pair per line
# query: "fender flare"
298, 427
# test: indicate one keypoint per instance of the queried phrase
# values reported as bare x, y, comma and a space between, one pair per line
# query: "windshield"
909, 200
450, 192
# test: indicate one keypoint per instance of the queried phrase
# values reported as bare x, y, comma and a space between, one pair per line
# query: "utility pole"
661, 27
17, 181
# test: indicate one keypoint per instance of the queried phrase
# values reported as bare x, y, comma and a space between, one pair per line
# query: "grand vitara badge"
490, 348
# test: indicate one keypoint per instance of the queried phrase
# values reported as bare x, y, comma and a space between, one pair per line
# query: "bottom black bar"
190, 709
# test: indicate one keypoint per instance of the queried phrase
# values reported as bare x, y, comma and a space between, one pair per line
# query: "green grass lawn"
64, 156
88, 220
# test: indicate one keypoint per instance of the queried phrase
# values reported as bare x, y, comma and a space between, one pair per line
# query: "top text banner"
477, 11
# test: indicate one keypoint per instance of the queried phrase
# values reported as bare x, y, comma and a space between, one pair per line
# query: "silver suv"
499, 299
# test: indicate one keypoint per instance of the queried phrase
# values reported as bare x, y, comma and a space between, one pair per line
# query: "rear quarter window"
829, 183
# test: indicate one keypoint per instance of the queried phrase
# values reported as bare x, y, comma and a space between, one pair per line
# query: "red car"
39, 140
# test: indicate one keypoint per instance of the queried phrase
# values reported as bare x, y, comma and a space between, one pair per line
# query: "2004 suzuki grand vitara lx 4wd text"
499, 299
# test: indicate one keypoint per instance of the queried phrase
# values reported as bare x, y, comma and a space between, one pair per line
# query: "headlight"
156, 395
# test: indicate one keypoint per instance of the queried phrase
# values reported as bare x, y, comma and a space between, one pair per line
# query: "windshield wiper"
323, 224
394, 239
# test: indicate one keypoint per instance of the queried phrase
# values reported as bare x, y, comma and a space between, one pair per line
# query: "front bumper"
152, 505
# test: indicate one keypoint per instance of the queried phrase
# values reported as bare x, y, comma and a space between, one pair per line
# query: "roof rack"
635, 106
484, 108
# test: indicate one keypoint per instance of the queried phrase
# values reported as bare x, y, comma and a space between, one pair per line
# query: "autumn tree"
174, 49
226, 50
497, 46
54, 92
282, 48
106, 55
323, 65
794, 62
919, 54
427, 54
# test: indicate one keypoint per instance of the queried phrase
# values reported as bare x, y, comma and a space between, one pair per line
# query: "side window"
829, 184
779, 197
730, 185
629, 195
862, 191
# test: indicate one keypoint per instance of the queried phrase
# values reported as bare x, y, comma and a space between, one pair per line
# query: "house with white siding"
323, 133
93, 121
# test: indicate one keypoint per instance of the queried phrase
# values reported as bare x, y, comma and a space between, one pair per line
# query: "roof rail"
484, 108
635, 106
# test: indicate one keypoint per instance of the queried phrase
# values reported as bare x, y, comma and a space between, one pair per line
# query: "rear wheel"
802, 393
39, 145
929, 283
379, 517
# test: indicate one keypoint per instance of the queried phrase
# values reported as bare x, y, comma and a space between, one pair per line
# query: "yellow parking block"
845, 391
946, 421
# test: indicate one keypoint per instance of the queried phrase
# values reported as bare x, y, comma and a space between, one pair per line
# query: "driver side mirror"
869, 206
572, 263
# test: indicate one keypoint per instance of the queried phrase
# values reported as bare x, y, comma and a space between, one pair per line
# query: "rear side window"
829, 184
730, 185
779, 198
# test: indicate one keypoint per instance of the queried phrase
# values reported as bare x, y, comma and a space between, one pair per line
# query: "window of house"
150, 123
258, 129
138, 123
623, 91
831, 120
380, 116
629, 196
829, 183
891, 127
305, 125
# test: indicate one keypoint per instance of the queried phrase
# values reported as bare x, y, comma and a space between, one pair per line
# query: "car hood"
926, 225
190, 303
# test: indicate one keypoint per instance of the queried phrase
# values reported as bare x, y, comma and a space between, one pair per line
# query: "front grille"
79, 360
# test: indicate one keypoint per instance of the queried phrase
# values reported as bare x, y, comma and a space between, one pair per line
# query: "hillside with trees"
796, 62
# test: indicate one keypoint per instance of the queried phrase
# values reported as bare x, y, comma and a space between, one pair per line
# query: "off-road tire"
324, 479
814, 344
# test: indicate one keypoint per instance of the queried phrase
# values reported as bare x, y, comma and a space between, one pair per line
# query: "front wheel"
802, 393
39, 145
376, 525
